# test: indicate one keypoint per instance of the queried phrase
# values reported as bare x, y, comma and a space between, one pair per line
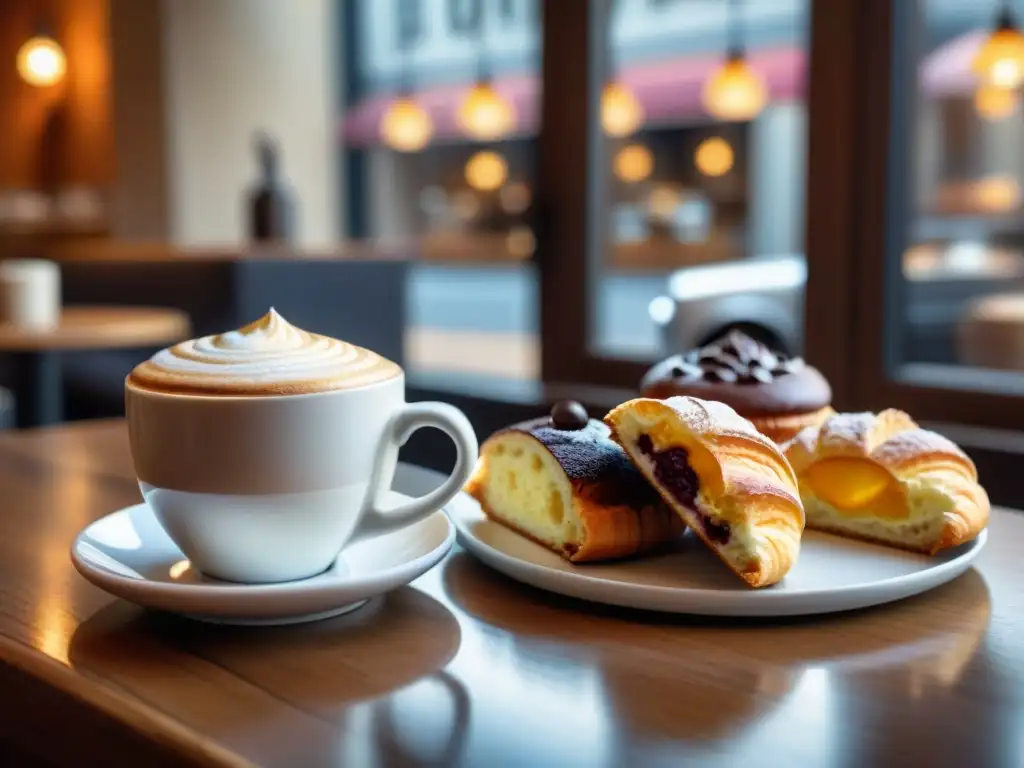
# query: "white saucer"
832, 573
128, 555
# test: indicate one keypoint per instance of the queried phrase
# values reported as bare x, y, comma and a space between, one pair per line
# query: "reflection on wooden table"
467, 667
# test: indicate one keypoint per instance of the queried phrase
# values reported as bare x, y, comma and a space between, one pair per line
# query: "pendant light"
486, 171
1000, 60
406, 126
484, 114
734, 92
622, 114
41, 61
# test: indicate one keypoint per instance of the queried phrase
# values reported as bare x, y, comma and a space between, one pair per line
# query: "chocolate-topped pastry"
562, 481
780, 394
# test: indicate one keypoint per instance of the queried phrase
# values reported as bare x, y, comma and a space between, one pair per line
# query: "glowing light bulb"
406, 126
735, 91
621, 111
485, 114
1000, 60
41, 61
994, 102
486, 171
714, 157
633, 163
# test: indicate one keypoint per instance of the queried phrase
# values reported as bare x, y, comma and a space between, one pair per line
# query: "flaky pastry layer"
745, 505
924, 493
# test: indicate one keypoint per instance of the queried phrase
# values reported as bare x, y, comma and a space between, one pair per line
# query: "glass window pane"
440, 130
704, 120
961, 292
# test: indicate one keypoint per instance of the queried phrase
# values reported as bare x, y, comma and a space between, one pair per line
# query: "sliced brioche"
725, 480
572, 490
882, 478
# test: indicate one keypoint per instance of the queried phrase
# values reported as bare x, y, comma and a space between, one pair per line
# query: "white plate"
128, 554
832, 573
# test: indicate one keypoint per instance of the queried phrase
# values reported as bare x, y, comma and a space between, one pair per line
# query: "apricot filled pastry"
725, 480
563, 482
882, 478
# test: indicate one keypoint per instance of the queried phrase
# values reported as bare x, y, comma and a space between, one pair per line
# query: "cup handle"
413, 416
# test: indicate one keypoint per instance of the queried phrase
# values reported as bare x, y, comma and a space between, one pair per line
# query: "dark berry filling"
673, 472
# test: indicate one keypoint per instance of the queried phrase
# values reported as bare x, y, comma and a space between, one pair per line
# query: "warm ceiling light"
41, 61
406, 126
735, 92
714, 157
621, 112
486, 171
485, 114
994, 102
1000, 60
633, 163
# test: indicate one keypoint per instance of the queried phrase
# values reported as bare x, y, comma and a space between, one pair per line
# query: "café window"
940, 279
695, 183
439, 140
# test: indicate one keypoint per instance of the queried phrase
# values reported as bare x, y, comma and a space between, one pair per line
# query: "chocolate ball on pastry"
725, 480
882, 478
781, 395
563, 482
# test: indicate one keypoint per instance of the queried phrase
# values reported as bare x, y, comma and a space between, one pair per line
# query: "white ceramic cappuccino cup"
259, 488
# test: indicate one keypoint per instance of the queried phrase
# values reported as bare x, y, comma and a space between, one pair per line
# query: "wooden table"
469, 668
38, 389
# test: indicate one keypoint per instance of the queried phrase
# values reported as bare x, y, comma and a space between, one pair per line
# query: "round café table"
38, 388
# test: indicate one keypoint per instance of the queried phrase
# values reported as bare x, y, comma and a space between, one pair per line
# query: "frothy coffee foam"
267, 357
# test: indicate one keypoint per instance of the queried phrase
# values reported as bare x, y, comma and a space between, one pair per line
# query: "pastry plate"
832, 574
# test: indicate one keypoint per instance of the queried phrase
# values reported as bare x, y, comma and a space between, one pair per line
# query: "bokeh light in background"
1000, 60
997, 193
486, 171
406, 126
485, 114
621, 111
735, 92
520, 242
714, 157
41, 61
515, 198
633, 163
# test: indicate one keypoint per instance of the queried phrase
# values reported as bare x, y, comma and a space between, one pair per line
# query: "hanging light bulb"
735, 92
485, 114
41, 61
621, 111
633, 163
486, 171
1000, 60
406, 126
994, 102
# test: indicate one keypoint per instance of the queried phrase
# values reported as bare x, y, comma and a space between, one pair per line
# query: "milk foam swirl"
267, 357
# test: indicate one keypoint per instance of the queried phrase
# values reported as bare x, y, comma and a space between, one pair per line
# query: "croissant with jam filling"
884, 479
725, 480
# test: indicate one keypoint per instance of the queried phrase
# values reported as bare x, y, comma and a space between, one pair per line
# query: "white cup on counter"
30, 293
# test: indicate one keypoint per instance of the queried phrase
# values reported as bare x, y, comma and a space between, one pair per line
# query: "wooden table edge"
159, 729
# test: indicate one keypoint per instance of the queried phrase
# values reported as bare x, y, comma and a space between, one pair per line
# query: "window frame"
888, 43
573, 183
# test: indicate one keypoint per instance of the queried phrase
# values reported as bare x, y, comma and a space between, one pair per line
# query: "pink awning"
947, 70
669, 91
